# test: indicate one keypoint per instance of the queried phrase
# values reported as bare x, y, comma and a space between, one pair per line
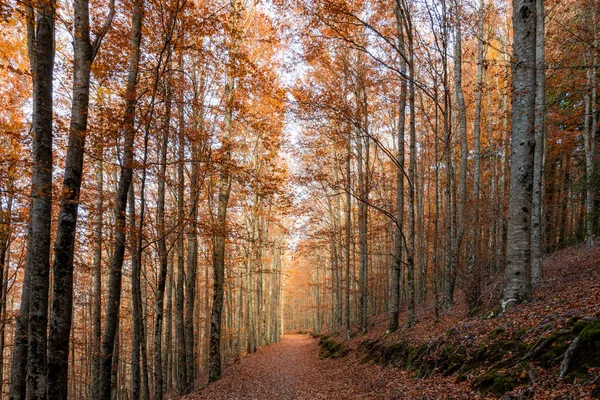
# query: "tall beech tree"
34, 297
125, 179
517, 276
84, 52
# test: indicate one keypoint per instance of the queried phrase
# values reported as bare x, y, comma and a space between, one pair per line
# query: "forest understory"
518, 354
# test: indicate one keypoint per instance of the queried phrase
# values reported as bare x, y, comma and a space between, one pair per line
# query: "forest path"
292, 369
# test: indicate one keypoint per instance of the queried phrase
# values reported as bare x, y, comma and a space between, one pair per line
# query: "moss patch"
331, 349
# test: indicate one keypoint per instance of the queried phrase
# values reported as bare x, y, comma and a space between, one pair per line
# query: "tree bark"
179, 296
97, 291
219, 239
41, 216
116, 265
399, 212
64, 245
518, 252
163, 256
473, 277
540, 144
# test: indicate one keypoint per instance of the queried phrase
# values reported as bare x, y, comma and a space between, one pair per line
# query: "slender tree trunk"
97, 291
518, 252
116, 265
163, 256
589, 135
399, 212
410, 256
220, 236
168, 378
348, 188
19, 360
461, 201
192, 261
5, 235
179, 296
135, 303
473, 278
363, 171
64, 245
540, 144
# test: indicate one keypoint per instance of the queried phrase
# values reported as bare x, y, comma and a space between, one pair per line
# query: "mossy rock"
331, 349
557, 345
496, 383
591, 332
587, 354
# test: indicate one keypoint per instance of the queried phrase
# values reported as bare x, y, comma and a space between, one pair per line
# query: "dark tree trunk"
21, 336
62, 298
163, 255
220, 235
179, 298
97, 295
398, 234
116, 265
41, 215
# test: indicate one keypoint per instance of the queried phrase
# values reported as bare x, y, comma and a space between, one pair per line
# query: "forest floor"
292, 369
513, 355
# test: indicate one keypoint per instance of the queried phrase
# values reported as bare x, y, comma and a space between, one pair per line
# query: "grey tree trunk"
517, 282
179, 296
64, 245
348, 187
41, 215
97, 291
163, 256
540, 144
138, 343
362, 152
135, 379
399, 212
116, 265
410, 253
192, 258
168, 369
473, 263
461, 202
220, 236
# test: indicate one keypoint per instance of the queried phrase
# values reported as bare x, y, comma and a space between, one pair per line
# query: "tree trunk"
21, 336
41, 215
474, 269
97, 292
163, 255
348, 187
116, 265
64, 245
179, 296
399, 212
192, 261
410, 256
214, 371
461, 201
540, 144
518, 252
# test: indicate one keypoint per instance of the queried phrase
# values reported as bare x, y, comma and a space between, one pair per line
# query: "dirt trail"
292, 369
